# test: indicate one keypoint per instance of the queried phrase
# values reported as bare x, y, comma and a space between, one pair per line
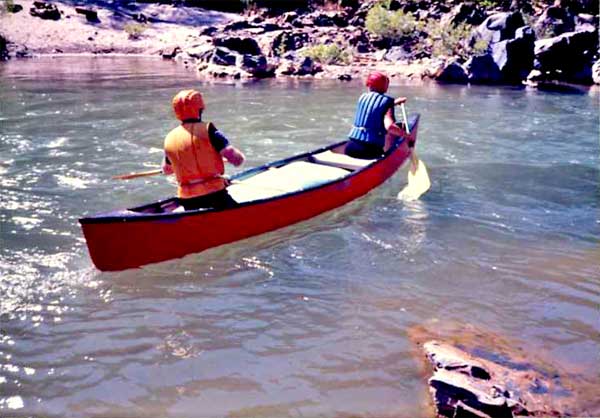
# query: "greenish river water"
312, 320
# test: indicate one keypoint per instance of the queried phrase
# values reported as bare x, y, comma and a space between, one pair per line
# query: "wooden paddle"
418, 178
136, 175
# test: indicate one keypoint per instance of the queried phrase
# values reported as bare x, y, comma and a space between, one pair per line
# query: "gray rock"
482, 69
238, 25
3, 49
498, 27
397, 53
469, 13
90, 14
208, 31
554, 21
452, 73
15, 8
237, 44
514, 57
568, 57
254, 64
169, 55
337, 18
289, 41
43, 10
224, 56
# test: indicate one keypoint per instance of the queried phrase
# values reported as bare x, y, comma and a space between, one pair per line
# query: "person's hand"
400, 100
167, 169
233, 155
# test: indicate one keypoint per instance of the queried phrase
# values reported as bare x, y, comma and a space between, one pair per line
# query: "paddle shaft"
136, 175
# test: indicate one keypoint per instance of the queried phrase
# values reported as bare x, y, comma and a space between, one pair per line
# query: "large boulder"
397, 53
298, 66
469, 13
238, 44
585, 22
555, 20
224, 56
498, 27
289, 41
514, 57
452, 73
567, 57
44, 10
256, 65
482, 69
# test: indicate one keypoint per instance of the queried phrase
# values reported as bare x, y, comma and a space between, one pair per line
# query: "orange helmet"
187, 104
378, 81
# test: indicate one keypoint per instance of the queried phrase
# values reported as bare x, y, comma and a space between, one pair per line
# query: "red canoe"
270, 197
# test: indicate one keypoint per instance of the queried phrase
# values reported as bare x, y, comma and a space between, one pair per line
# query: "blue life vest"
368, 120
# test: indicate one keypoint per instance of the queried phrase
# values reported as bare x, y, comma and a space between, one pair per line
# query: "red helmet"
378, 82
187, 104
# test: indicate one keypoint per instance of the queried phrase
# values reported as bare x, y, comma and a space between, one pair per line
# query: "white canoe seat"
292, 177
335, 159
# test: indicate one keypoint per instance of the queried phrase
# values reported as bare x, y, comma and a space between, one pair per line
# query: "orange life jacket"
197, 165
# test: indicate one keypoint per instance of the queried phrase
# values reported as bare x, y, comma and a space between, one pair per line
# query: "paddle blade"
418, 181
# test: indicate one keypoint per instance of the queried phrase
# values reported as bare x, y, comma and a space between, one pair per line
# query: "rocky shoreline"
483, 42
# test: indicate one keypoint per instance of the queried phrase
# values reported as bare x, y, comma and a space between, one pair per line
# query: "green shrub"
328, 54
134, 30
385, 24
446, 39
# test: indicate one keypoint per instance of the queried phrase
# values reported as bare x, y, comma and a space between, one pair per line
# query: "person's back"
368, 121
199, 167
194, 152
373, 120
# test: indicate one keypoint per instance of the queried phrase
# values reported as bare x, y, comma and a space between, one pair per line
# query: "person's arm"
221, 144
233, 155
167, 168
390, 121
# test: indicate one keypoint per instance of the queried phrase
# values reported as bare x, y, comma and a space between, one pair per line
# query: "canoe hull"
122, 242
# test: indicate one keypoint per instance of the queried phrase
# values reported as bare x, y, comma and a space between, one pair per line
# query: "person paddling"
374, 119
194, 152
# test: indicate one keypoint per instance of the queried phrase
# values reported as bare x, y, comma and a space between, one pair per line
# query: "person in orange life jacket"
374, 121
194, 152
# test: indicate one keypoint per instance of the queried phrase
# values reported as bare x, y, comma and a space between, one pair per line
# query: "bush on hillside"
134, 30
328, 54
446, 39
391, 25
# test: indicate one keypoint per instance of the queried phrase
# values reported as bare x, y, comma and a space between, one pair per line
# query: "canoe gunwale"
130, 214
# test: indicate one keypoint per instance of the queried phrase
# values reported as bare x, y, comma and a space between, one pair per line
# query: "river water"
312, 320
